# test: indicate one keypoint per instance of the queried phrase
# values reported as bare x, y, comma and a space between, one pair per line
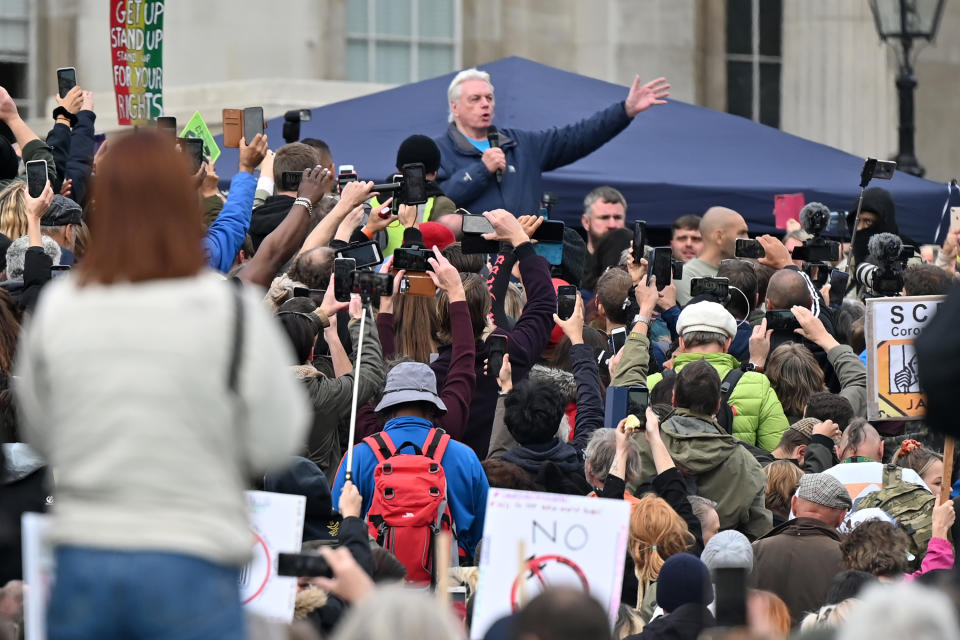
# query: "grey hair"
17, 251
453, 91
901, 610
396, 612
698, 338
605, 193
601, 450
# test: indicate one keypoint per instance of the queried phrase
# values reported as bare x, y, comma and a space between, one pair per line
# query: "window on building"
753, 59
15, 50
398, 41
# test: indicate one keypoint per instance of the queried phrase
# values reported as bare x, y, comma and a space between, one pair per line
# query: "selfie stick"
356, 389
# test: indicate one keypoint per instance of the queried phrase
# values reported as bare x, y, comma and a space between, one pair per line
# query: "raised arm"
354, 194
225, 236
80, 162
587, 376
31, 146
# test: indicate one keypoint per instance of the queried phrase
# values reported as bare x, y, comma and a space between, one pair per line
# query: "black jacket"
555, 467
268, 217
686, 623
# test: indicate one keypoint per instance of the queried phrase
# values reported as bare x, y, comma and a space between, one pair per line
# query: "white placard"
277, 523
891, 326
38, 565
565, 540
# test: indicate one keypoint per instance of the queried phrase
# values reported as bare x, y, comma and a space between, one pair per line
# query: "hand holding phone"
747, 248
36, 177
66, 80
566, 301
496, 348
661, 267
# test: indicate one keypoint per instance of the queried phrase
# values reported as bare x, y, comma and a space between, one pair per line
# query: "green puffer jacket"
723, 470
760, 420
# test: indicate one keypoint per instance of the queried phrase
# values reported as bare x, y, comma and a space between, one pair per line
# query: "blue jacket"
465, 180
225, 236
80, 161
466, 481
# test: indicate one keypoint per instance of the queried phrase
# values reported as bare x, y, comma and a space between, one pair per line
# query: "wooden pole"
947, 469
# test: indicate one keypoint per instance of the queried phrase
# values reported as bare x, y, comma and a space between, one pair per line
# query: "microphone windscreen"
885, 246
814, 217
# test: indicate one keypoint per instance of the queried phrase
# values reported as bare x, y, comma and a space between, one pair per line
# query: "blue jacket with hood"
465, 180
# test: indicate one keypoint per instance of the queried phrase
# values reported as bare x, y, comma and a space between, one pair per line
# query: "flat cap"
62, 211
825, 490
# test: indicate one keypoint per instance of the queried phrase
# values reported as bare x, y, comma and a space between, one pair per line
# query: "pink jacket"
939, 556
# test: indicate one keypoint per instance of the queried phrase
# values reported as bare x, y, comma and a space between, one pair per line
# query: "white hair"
397, 612
453, 91
901, 610
17, 253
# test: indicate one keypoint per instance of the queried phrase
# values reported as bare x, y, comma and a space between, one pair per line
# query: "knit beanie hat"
728, 550
683, 579
419, 148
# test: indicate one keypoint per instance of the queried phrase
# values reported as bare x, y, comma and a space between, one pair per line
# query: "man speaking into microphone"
483, 168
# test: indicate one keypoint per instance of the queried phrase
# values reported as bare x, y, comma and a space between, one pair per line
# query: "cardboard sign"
38, 566
136, 52
893, 386
787, 206
197, 128
277, 523
536, 540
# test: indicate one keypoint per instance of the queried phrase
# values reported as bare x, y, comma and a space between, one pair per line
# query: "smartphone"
366, 254
193, 148
678, 269
66, 80
410, 259
747, 248
549, 231
303, 565
474, 244
661, 267
496, 347
618, 338
252, 123
639, 240
730, 588
477, 225
781, 320
232, 127
290, 180
36, 177
314, 294
414, 182
638, 398
347, 174
717, 288
367, 283
343, 269
880, 169
167, 125
415, 284
839, 281
566, 301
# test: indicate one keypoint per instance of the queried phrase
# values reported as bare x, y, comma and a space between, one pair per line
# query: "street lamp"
903, 21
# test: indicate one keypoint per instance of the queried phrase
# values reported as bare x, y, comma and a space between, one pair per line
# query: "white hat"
706, 316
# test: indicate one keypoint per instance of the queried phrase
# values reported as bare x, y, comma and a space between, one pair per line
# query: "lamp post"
900, 23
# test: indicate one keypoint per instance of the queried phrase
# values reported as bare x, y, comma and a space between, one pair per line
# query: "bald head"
720, 228
786, 289
861, 439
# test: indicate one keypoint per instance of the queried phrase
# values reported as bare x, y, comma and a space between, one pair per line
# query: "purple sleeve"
387, 338
457, 391
532, 331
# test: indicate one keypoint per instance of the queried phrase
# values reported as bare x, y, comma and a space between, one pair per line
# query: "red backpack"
409, 504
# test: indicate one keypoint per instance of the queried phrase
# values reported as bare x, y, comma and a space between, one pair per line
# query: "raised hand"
73, 101
506, 228
445, 276
252, 155
642, 97
315, 184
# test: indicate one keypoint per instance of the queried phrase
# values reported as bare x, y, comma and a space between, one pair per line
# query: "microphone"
493, 137
814, 218
886, 277
885, 247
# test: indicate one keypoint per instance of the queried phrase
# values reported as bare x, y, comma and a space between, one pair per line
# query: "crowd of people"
165, 346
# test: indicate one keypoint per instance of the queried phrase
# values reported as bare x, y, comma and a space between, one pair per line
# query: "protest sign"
136, 53
565, 540
786, 207
277, 523
37, 574
893, 386
197, 128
